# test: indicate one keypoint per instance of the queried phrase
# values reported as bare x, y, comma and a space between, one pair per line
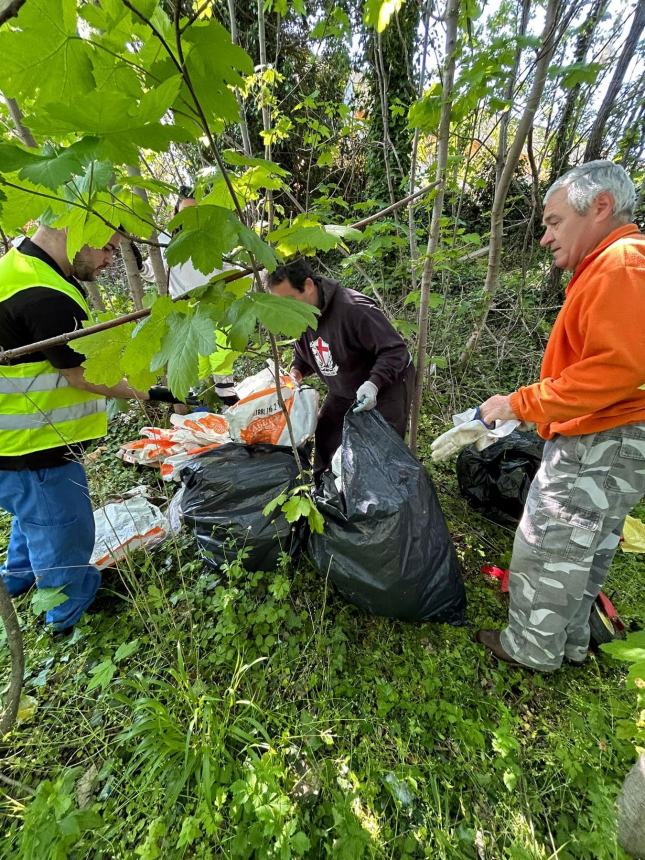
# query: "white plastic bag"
337, 468
126, 525
203, 428
257, 416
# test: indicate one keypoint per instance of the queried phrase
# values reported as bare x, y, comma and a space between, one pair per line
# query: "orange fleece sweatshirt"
593, 371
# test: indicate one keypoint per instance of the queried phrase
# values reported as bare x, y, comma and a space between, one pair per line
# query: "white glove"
366, 397
453, 440
471, 430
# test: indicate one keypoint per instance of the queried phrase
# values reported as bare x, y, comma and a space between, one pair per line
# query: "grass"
257, 715
238, 715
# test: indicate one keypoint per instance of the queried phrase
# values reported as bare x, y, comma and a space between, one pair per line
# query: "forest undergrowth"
238, 715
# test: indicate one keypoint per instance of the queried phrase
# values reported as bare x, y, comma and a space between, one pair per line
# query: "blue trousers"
52, 537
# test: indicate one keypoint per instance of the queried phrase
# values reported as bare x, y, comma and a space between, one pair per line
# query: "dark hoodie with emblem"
354, 342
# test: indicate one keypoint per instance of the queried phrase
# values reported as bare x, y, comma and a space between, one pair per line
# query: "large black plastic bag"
225, 493
496, 480
385, 545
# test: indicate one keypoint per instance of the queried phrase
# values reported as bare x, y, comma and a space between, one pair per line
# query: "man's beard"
82, 269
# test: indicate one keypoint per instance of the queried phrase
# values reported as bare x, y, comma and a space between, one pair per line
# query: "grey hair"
585, 182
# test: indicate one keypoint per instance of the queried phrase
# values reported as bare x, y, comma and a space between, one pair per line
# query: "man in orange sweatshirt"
590, 407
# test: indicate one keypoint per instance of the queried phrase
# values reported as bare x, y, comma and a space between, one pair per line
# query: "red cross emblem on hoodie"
322, 354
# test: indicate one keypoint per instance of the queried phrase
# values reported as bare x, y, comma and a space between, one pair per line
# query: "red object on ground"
610, 611
492, 572
606, 606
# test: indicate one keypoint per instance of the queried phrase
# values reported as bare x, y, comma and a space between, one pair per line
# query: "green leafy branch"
631, 650
296, 504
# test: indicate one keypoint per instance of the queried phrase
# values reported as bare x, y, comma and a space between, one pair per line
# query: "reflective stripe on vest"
39, 409
44, 382
32, 420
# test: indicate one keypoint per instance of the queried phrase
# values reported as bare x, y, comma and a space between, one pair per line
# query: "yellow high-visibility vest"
39, 409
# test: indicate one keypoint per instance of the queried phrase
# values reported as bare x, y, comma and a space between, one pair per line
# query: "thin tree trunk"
536, 208
132, 273
95, 295
412, 226
266, 113
16, 649
594, 144
510, 89
630, 157
244, 128
564, 135
452, 15
266, 126
382, 90
548, 43
154, 252
16, 115
563, 142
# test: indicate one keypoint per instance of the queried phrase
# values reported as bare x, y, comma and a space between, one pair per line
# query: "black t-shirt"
36, 314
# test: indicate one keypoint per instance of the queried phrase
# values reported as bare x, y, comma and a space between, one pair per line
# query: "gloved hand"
366, 397
161, 394
471, 429
453, 440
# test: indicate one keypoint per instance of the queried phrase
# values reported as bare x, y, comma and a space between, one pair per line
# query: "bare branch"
14, 640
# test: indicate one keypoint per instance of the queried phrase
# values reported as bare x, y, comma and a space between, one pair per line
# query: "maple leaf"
187, 337
103, 351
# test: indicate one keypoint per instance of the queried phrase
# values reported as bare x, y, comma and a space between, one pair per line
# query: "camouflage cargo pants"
566, 541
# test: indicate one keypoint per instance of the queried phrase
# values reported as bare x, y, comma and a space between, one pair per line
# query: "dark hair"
296, 272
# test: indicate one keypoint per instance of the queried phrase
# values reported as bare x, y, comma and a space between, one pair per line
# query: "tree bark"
132, 273
95, 295
244, 128
154, 251
548, 43
452, 15
412, 226
594, 143
510, 89
266, 112
564, 134
631, 811
14, 641
386, 143
21, 129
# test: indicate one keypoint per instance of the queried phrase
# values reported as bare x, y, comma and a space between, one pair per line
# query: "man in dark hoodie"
354, 350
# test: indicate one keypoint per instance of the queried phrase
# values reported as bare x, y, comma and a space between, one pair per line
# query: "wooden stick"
7, 355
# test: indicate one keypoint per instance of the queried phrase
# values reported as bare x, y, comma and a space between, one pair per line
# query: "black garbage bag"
385, 545
225, 493
496, 480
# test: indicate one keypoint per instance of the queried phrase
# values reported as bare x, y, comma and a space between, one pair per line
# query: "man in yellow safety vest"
48, 412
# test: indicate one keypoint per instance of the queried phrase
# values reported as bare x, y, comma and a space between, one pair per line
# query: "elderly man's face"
571, 236
88, 262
